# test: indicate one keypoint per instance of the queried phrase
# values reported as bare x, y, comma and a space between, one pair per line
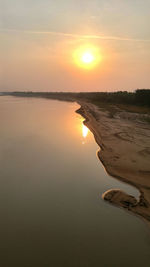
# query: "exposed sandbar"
124, 141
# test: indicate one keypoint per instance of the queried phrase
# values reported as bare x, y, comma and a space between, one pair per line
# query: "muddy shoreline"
124, 142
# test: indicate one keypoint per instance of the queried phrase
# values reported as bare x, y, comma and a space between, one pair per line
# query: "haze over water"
51, 183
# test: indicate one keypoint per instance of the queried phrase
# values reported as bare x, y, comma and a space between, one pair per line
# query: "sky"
39, 38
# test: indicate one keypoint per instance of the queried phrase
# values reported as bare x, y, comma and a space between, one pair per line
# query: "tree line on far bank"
140, 97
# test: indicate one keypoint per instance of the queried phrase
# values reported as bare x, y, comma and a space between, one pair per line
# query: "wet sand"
124, 141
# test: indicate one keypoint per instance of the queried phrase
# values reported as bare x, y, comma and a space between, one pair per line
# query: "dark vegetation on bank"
139, 98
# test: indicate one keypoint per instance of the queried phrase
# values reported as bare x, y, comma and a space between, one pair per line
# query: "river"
51, 182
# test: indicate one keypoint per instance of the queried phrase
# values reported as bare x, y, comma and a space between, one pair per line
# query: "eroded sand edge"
124, 141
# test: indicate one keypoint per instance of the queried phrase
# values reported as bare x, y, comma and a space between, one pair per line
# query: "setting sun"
87, 56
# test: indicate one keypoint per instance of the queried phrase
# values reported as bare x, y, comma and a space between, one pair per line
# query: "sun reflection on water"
84, 130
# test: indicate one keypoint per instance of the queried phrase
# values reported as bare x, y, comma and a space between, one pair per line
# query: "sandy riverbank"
124, 140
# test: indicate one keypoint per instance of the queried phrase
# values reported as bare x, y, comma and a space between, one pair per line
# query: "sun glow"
87, 56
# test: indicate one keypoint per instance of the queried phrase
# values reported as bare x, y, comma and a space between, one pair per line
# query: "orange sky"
39, 53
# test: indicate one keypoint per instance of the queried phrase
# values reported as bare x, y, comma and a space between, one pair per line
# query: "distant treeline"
140, 97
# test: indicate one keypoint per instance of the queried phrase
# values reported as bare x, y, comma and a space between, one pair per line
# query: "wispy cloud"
81, 36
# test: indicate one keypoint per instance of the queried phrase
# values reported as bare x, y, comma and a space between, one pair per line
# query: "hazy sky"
39, 37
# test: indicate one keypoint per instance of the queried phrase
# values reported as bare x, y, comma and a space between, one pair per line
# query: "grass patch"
115, 108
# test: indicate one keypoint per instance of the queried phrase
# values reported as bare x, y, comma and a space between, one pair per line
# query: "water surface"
51, 182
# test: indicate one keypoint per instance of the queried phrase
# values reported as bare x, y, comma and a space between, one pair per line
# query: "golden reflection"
84, 130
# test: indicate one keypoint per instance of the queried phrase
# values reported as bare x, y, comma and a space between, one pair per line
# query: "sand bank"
124, 141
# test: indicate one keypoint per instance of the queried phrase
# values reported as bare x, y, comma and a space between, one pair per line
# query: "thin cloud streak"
72, 35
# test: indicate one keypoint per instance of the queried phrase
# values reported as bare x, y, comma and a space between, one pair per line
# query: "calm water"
51, 211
